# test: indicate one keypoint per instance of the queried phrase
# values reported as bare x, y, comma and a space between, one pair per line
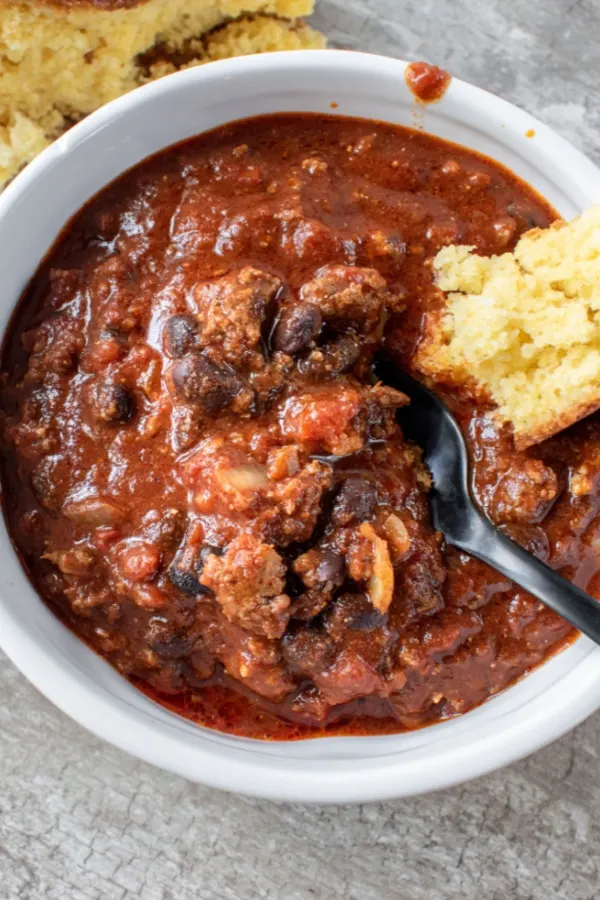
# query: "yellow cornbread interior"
57, 64
525, 326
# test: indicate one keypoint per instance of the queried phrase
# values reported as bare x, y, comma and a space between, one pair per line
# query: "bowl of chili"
365, 137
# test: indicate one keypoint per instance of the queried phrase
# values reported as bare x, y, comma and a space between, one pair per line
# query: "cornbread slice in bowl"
523, 328
62, 59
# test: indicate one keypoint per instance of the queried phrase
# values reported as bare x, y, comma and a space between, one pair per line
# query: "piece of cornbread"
523, 329
60, 60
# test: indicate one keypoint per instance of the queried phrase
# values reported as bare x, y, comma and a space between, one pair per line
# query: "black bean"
180, 335
343, 354
332, 359
112, 403
331, 570
297, 328
187, 581
165, 528
355, 501
187, 567
202, 383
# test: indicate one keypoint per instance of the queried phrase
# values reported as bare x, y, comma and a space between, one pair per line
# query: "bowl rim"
163, 743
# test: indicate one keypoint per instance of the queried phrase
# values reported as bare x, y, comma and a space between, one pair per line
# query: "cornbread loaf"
523, 328
61, 60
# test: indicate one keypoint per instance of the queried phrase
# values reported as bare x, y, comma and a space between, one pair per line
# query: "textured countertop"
80, 820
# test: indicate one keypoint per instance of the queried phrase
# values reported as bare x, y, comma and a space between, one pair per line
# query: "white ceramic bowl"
34, 208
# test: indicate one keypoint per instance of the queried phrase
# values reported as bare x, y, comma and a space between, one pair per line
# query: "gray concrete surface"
80, 820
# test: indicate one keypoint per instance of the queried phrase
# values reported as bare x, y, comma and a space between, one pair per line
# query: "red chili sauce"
200, 474
427, 83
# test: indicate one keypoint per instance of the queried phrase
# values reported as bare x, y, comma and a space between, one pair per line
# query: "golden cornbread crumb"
58, 63
524, 327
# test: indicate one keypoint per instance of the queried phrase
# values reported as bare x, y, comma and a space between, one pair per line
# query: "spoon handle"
487, 543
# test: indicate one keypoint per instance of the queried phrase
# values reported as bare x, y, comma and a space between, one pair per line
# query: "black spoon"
430, 424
